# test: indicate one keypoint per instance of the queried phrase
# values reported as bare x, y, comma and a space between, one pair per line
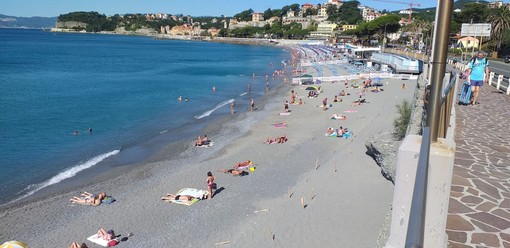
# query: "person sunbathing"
234, 172
106, 235
281, 139
337, 99
76, 245
358, 102
342, 93
243, 164
205, 140
199, 141
172, 197
338, 117
89, 199
330, 131
278, 140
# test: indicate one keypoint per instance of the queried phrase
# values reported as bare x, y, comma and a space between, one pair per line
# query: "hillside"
27, 22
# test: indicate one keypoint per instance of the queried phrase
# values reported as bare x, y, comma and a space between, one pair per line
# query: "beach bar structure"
398, 63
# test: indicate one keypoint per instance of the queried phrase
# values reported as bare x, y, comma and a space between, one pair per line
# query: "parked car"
507, 59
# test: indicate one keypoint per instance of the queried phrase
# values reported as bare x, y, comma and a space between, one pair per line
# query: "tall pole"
438, 61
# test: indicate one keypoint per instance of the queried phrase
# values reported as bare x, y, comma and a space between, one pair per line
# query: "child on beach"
210, 184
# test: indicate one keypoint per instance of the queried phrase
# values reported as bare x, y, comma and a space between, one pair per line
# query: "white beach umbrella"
13, 244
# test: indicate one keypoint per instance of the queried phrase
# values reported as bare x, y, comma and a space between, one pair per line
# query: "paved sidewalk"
479, 210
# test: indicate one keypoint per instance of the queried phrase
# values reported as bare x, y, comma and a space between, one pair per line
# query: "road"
500, 68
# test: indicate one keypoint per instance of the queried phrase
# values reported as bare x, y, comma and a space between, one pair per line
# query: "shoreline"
228, 40
338, 181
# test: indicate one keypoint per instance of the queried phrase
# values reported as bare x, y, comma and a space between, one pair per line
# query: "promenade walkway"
479, 209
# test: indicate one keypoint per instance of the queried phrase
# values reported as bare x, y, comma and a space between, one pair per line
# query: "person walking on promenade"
478, 70
210, 184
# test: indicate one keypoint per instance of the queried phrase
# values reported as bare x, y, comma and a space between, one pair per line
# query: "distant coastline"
230, 40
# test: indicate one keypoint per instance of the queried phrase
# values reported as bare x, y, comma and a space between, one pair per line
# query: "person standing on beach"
252, 105
210, 184
286, 106
478, 70
267, 85
232, 106
325, 103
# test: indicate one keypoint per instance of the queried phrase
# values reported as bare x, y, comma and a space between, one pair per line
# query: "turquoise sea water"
123, 87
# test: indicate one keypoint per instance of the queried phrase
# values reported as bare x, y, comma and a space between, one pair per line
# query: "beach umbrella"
13, 244
311, 88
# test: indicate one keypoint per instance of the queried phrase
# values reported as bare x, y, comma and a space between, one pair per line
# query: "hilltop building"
324, 29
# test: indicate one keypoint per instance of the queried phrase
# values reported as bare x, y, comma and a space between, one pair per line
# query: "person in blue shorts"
478, 70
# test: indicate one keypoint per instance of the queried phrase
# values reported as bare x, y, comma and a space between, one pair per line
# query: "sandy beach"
345, 197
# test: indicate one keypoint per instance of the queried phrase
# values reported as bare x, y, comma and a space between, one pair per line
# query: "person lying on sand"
199, 141
76, 245
330, 131
243, 164
358, 102
89, 199
338, 117
234, 172
102, 233
278, 140
172, 197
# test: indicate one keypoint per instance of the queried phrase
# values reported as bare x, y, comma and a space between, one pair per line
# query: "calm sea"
123, 87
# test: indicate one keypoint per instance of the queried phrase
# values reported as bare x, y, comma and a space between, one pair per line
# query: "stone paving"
479, 209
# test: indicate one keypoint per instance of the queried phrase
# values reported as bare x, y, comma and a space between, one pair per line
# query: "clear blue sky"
51, 8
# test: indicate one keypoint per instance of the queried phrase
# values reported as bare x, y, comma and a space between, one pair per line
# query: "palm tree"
500, 21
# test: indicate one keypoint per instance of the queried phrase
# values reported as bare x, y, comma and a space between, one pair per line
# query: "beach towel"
346, 135
334, 134
198, 194
208, 145
98, 240
281, 124
285, 113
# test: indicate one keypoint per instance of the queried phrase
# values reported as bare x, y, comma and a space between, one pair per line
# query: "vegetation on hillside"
99, 22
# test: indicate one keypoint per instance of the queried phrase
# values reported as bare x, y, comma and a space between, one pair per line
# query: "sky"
52, 8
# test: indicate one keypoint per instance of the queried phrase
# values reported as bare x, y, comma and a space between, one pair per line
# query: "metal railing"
416, 227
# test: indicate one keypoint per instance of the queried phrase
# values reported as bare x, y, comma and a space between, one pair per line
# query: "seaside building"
405, 12
338, 3
184, 29
257, 17
323, 11
213, 31
324, 29
349, 27
368, 13
306, 6
304, 21
468, 42
495, 4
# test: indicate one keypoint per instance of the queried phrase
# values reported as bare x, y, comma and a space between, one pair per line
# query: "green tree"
268, 14
245, 15
473, 13
500, 22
